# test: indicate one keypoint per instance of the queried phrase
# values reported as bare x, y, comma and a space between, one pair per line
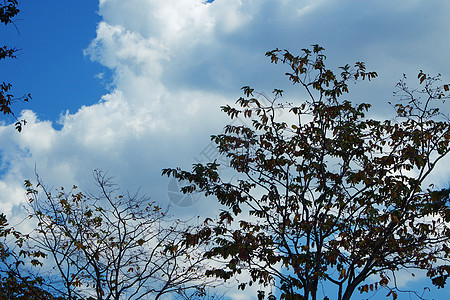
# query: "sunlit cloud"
175, 62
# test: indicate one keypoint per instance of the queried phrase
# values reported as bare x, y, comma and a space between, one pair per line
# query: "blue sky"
51, 64
135, 86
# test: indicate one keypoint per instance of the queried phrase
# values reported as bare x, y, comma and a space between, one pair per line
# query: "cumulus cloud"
176, 61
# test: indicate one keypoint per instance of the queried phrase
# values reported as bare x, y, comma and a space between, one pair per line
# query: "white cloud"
176, 61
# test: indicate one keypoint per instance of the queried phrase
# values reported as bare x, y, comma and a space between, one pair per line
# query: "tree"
113, 246
16, 283
8, 10
324, 195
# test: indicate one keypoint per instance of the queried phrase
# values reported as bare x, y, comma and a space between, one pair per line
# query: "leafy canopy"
323, 193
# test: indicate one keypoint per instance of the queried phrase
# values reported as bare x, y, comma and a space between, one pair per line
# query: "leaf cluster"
8, 10
15, 281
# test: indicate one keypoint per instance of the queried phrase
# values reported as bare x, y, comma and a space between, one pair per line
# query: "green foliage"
324, 194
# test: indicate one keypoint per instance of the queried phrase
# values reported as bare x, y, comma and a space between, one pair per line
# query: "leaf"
421, 76
342, 274
247, 91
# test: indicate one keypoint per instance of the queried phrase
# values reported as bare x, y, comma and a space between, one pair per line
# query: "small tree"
323, 193
8, 11
113, 246
15, 281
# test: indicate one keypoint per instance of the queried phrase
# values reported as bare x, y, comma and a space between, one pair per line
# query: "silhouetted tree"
15, 280
321, 193
114, 246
